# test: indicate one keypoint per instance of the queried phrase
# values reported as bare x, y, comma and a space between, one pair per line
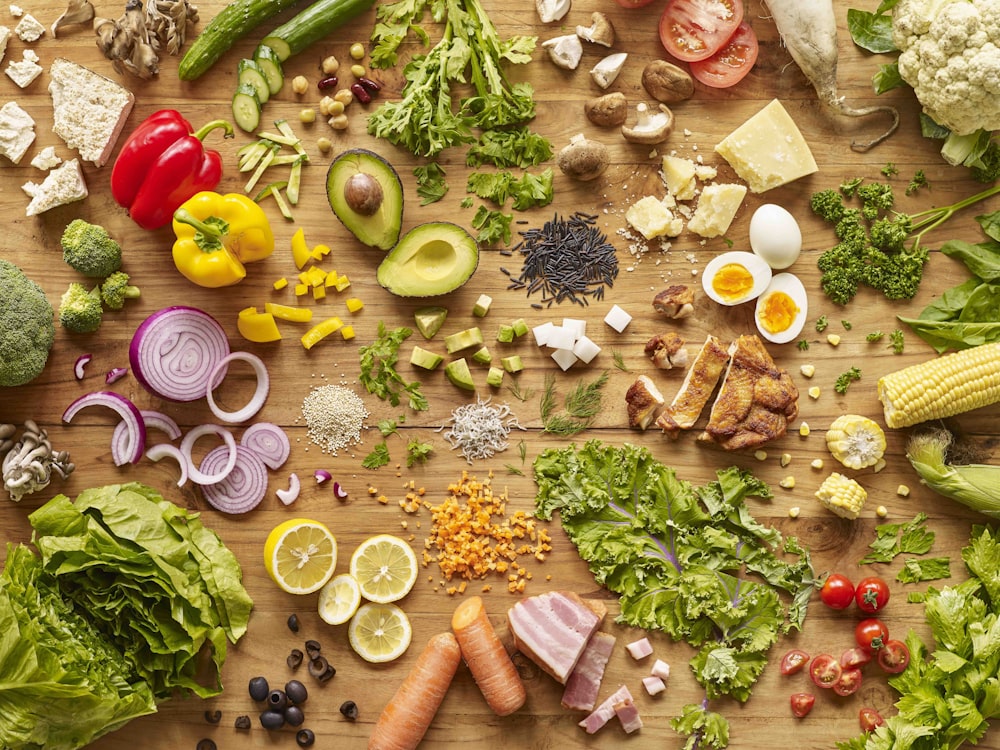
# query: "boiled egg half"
782, 309
735, 277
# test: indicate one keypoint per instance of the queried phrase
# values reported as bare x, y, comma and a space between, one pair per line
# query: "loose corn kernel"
833, 339
817, 463
903, 491
804, 429
814, 392
354, 304
881, 511
794, 511
879, 465
786, 458
760, 455
787, 482
280, 283
807, 370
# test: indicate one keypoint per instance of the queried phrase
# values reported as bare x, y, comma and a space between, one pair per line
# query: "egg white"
775, 236
792, 286
757, 268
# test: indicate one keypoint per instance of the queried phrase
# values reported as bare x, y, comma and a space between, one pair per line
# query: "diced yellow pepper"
301, 289
342, 283
300, 250
317, 276
354, 304
321, 330
319, 292
331, 278
303, 277
258, 327
280, 283
347, 332
315, 254
287, 312
322, 249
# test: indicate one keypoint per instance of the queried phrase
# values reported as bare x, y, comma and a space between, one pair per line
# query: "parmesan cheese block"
768, 150
679, 177
716, 209
652, 218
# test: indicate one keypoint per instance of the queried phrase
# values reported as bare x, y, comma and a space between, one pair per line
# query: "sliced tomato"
837, 591
802, 703
825, 670
871, 594
729, 65
693, 30
871, 634
869, 718
894, 656
794, 661
633, 3
854, 657
849, 681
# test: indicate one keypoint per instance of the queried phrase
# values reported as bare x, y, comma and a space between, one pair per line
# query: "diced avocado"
494, 377
520, 327
506, 334
430, 319
463, 339
431, 259
426, 359
367, 196
482, 305
512, 363
482, 356
458, 373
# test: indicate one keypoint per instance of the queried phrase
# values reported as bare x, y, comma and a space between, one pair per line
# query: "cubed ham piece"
584, 681
640, 649
628, 715
660, 669
606, 711
653, 684
553, 629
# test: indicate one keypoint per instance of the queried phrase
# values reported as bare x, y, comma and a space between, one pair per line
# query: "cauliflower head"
949, 55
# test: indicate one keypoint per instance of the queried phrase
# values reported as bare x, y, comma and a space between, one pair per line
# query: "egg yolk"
732, 281
778, 311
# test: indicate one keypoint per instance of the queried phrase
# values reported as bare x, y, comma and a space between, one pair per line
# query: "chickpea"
300, 84
358, 71
324, 145
338, 122
330, 65
307, 115
345, 96
335, 108
357, 51
324, 105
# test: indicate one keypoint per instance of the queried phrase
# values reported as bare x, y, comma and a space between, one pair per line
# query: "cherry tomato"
802, 703
849, 682
854, 657
837, 591
894, 656
871, 634
693, 30
871, 594
731, 63
794, 661
825, 670
869, 718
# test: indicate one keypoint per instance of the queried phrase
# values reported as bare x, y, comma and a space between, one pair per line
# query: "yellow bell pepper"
216, 235
257, 326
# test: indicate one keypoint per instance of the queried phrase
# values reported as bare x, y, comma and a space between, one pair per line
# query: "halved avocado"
367, 196
431, 259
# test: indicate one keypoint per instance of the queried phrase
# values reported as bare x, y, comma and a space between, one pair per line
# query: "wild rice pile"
335, 417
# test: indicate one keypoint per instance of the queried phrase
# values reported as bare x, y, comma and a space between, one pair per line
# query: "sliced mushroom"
676, 301
552, 10
78, 12
610, 110
607, 69
565, 51
667, 351
650, 126
599, 32
643, 401
666, 82
583, 159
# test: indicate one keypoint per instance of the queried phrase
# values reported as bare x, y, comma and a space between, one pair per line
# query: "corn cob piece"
942, 387
842, 495
857, 442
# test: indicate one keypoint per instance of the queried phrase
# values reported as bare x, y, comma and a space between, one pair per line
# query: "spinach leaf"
983, 305
982, 259
944, 335
949, 305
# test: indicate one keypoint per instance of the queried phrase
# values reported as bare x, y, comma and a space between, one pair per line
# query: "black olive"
243, 722
294, 716
313, 648
305, 737
271, 719
349, 709
259, 688
321, 669
205, 744
293, 623
294, 659
213, 717
296, 692
277, 700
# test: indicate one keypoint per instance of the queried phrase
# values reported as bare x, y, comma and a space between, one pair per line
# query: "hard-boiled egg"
735, 277
782, 309
775, 236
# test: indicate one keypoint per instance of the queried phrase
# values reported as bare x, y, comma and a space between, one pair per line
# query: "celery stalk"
976, 486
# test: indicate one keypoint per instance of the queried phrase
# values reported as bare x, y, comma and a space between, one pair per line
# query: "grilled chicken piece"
675, 301
756, 402
699, 382
644, 400
667, 351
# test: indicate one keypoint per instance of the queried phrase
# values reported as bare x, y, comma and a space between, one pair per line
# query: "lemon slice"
339, 599
385, 568
379, 632
300, 555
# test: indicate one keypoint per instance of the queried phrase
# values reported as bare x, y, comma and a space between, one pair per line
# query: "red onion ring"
131, 417
166, 450
157, 420
174, 351
259, 396
243, 488
269, 442
196, 474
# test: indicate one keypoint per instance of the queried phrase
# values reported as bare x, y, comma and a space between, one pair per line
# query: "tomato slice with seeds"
732, 63
854, 657
825, 670
869, 719
794, 661
802, 703
894, 656
849, 681
692, 30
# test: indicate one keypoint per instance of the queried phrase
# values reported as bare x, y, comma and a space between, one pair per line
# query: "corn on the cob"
856, 441
942, 387
842, 495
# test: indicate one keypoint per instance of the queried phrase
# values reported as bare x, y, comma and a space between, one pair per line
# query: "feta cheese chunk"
24, 71
29, 28
17, 131
46, 159
4, 38
62, 185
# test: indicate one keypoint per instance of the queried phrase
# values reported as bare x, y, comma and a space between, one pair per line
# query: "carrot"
408, 714
488, 660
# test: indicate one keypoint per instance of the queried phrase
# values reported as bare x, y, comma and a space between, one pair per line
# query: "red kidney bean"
360, 93
330, 82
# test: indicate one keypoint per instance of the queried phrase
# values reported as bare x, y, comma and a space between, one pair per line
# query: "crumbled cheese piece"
4, 38
46, 159
29, 28
17, 131
23, 72
62, 185
17, 11
652, 218
679, 177
807, 370
716, 209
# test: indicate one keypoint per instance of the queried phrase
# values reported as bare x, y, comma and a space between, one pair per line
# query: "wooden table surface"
464, 719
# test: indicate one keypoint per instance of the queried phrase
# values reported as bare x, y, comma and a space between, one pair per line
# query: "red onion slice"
221, 472
269, 442
175, 350
259, 396
81, 363
289, 496
243, 488
152, 419
135, 426
115, 374
166, 450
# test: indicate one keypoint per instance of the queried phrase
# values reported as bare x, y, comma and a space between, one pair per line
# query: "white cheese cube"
716, 209
679, 176
23, 72
561, 338
17, 131
705, 172
29, 28
16, 10
577, 326
541, 333
586, 350
62, 185
651, 218
564, 358
617, 318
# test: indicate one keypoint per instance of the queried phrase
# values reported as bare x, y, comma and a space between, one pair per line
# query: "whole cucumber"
312, 24
232, 23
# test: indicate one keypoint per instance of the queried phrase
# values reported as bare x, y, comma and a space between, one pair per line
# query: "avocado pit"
363, 194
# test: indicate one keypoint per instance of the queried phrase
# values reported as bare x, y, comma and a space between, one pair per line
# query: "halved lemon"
379, 632
339, 599
300, 555
385, 568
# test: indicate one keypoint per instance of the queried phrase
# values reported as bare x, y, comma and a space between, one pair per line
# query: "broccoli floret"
115, 290
876, 197
80, 309
90, 249
828, 205
27, 329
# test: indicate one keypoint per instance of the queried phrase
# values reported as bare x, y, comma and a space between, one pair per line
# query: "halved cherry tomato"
849, 682
731, 63
869, 718
693, 30
802, 703
871, 634
825, 670
871, 594
793, 661
837, 591
894, 656
854, 657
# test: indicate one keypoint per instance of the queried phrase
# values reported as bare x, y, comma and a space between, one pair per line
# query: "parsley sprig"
378, 369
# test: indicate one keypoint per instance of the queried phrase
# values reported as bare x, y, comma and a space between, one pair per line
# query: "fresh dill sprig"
584, 401
547, 403
619, 360
582, 404
511, 469
519, 393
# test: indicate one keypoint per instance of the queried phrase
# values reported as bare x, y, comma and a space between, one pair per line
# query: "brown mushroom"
607, 69
667, 82
77, 12
650, 126
667, 351
676, 301
643, 401
564, 51
583, 159
599, 32
610, 110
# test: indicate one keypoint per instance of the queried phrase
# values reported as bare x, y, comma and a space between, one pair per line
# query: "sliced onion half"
135, 426
259, 396
218, 471
269, 442
153, 420
243, 488
175, 350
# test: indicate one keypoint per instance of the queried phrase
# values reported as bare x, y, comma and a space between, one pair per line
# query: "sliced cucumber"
312, 24
246, 107
270, 64
249, 71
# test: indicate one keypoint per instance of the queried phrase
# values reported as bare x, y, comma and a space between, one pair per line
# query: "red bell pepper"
162, 164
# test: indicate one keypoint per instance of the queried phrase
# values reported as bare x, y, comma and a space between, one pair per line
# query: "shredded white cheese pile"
335, 417
480, 430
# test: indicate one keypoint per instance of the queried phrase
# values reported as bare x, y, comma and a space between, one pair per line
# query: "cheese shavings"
480, 430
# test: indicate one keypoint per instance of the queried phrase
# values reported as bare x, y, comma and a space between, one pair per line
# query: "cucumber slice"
249, 71
270, 64
246, 107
